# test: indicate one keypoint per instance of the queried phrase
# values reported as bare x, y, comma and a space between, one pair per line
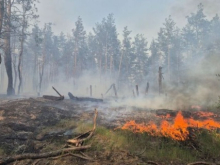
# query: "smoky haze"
145, 17
124, 43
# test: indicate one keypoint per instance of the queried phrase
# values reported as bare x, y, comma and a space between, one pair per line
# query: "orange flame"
178, 130
205, 114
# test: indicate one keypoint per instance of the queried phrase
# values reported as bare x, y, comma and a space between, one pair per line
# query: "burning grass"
158, 149
176, 129
50, 130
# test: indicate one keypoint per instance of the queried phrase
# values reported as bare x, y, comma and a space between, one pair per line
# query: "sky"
141, 16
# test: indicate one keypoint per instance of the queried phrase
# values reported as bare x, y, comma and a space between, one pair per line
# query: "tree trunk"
19, 66
8, 59
2, 8
160, 77
22, 49
34, 80
15, 71
41, 66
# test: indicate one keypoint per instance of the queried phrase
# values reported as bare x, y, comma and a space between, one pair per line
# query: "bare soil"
23, 122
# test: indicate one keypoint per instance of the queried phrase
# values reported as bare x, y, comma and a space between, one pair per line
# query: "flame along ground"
176, 129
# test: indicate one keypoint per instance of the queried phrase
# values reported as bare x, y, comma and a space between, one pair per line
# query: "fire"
205, 114
177, 130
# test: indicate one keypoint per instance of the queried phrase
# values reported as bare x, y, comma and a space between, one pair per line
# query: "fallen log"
55, 98
7, 160
84, 98
57, 92
71, 154
201, 163
78, 141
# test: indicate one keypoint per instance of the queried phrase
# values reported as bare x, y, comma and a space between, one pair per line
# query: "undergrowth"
158, 149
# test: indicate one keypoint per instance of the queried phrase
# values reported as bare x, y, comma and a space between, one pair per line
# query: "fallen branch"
200, 163
80, 156
141, 152
84, 98
86, 155
55, 98
57, 92
60, 156
81, 138
7, 160
61, 97
151, 162
71, 154
37, 161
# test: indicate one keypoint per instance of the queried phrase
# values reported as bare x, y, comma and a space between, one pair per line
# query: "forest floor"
37, 125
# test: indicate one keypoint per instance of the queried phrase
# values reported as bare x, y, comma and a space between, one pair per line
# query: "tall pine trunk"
2, 9
8, 59
21, 51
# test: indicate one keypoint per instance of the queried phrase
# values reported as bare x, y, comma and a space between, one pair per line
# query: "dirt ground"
26, 128
23, 122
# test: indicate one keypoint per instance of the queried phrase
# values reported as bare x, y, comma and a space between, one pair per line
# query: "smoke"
80, 86
200, 86
182, 8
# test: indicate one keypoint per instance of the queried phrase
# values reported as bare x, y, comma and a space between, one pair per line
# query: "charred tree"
2, 9
116, 95
28, 10
21, 49
160, 77
90, 90
137, 92
84, 98
147, 88
7, 50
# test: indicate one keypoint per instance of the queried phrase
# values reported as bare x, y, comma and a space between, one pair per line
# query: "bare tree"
7, 50
28, 12
2, 9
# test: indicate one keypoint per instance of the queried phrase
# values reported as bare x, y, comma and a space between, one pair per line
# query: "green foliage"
156, 148
2, 151
209, 143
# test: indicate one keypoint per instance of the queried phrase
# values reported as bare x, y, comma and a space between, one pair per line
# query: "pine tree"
126, 55
80, 47
154, 62
139, 68
107, 45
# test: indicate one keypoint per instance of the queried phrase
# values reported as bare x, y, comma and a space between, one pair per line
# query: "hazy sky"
141, 16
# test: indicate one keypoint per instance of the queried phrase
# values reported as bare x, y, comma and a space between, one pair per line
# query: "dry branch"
81, 138
37, 161
84, 98
55, 98
151, 162
71, 154
60, 156
200, 163
57, 92
81, 156
7, 160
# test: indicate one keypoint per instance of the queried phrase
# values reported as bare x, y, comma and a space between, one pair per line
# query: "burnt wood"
55, 98
84, 98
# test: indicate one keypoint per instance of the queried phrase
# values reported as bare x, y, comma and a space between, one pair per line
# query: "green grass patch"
209, 143
2, 151
157, 148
